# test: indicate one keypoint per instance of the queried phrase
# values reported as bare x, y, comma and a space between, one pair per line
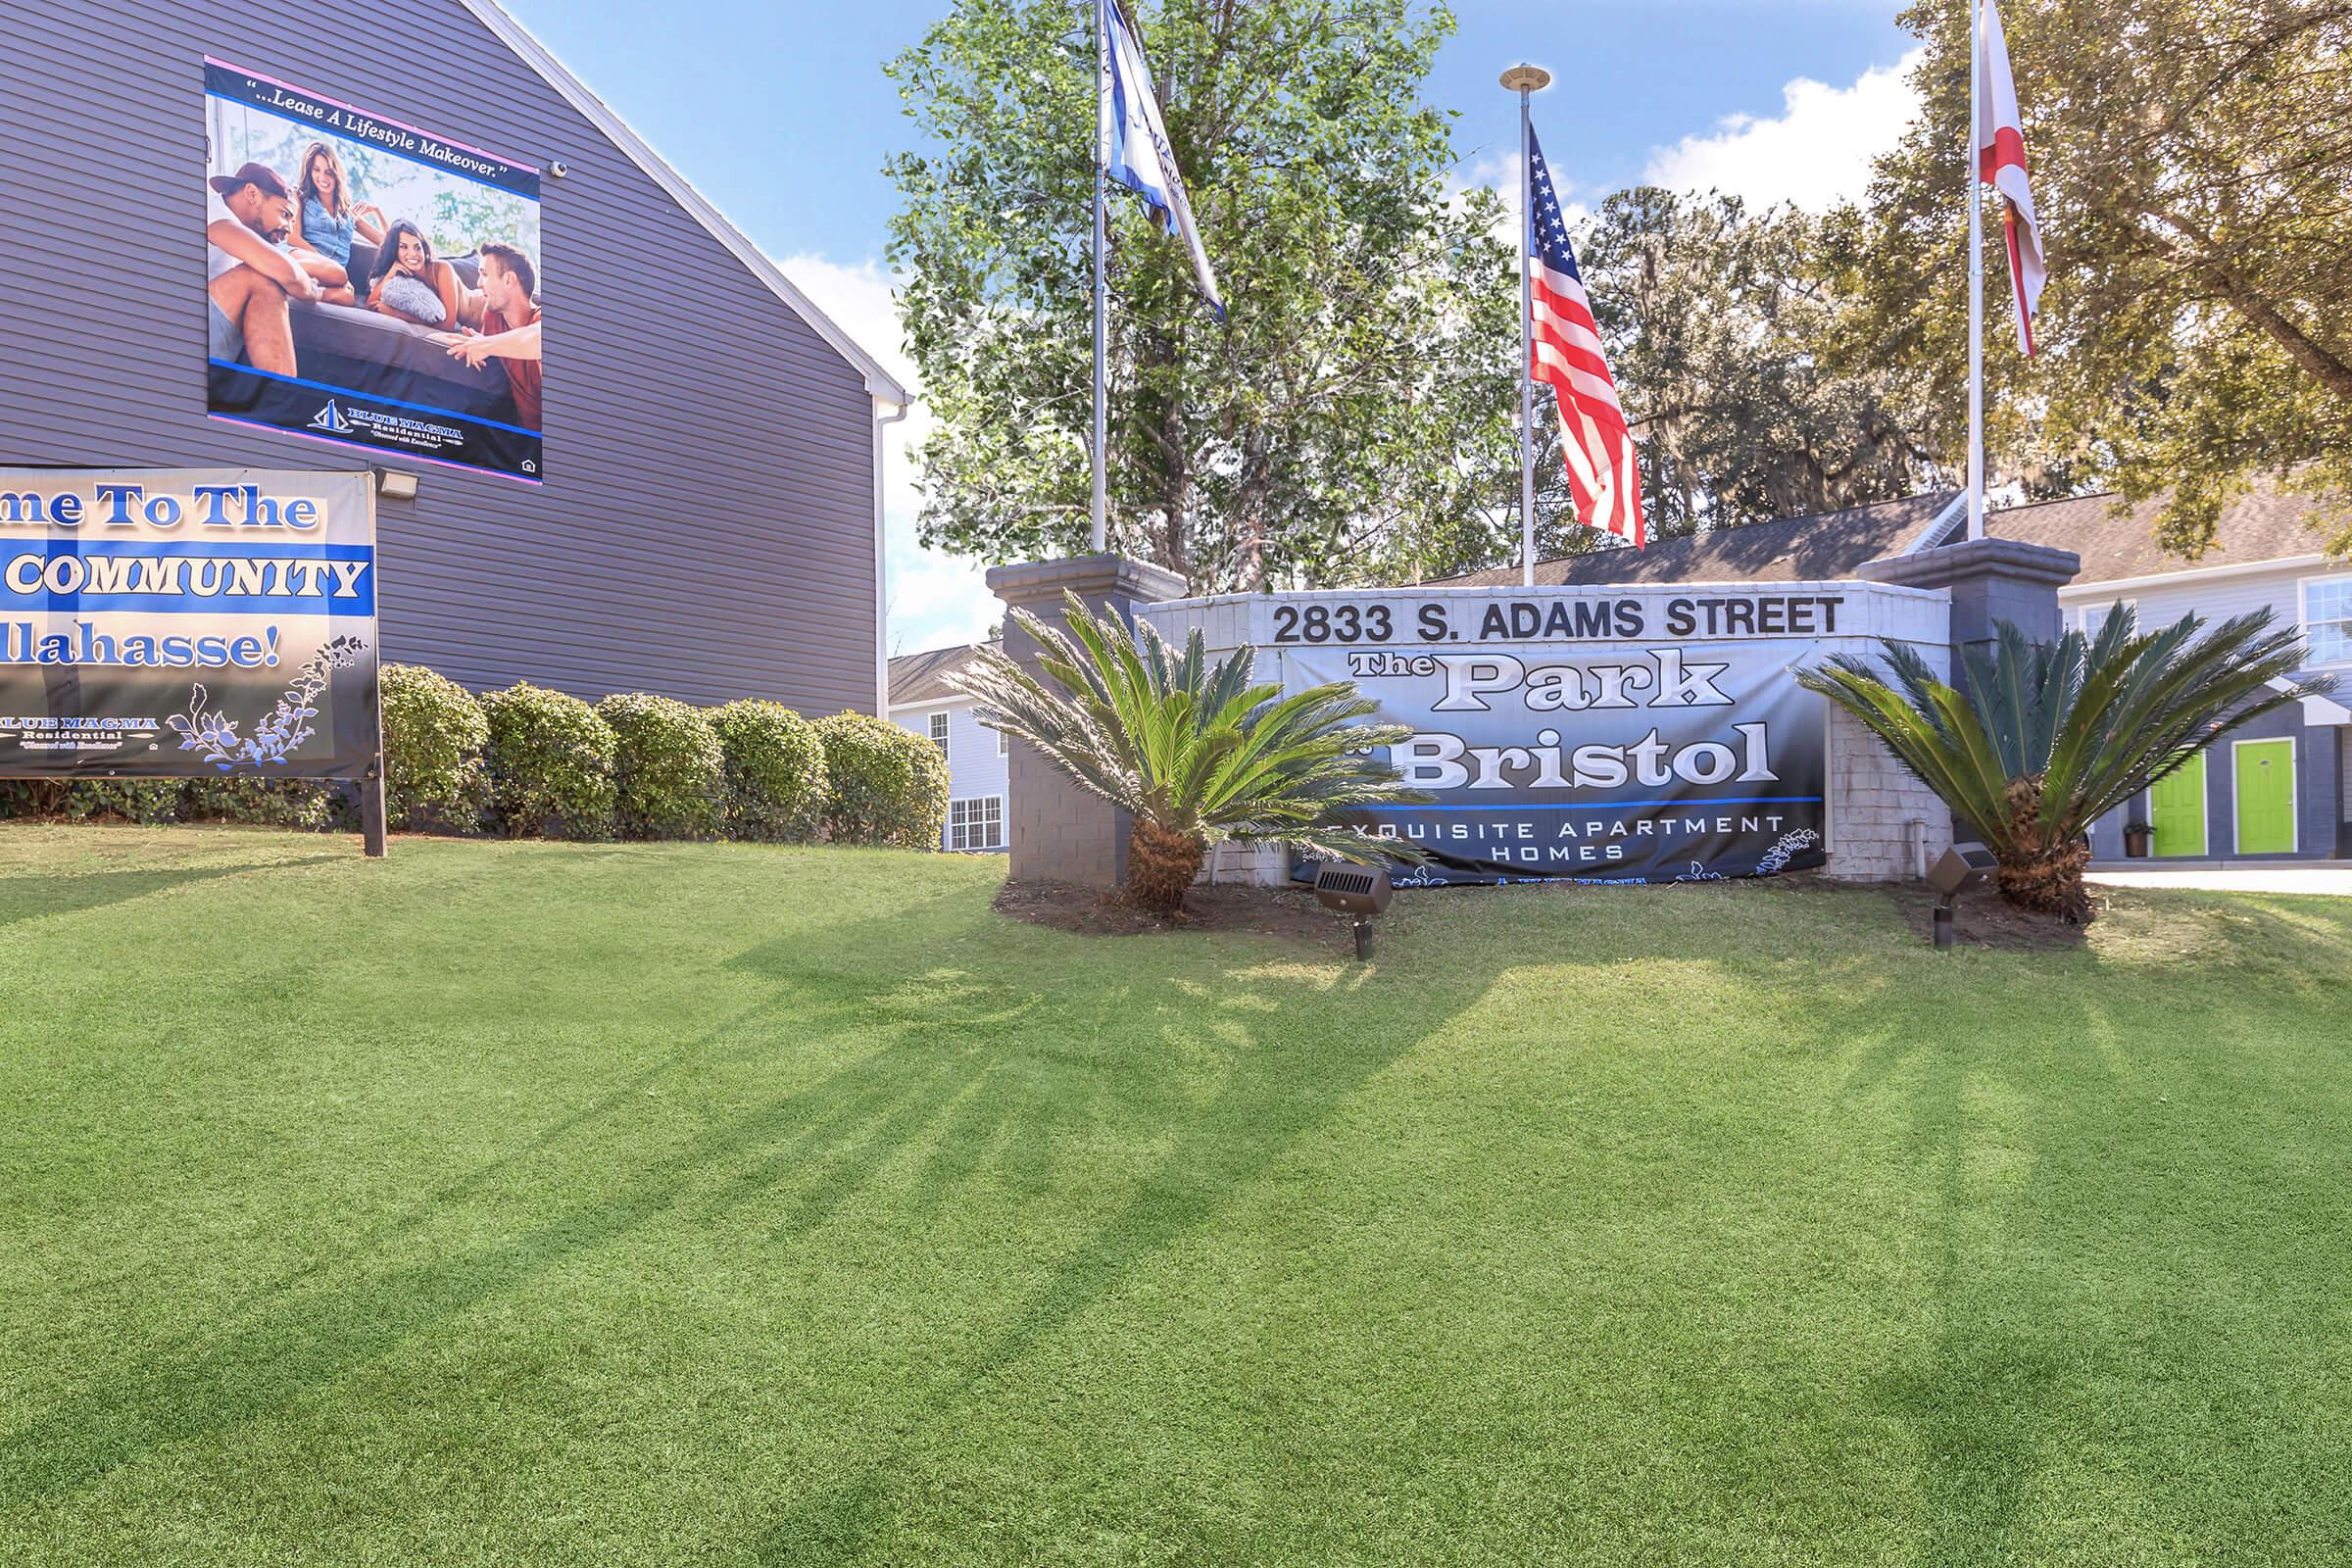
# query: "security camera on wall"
557, 167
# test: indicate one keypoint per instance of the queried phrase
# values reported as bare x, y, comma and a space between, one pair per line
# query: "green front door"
2176, 808
2266, 797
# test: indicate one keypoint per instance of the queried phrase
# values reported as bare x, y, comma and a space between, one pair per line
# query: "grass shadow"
34, 898
1269, 1100
914, 1041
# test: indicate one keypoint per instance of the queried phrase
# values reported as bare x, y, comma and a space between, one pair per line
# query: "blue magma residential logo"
331, 418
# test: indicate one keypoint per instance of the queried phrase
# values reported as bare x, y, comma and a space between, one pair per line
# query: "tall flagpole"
1524, 80
1975, 284
1100, 538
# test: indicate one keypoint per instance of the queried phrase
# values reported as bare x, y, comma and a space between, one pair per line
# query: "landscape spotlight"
1963, 868
1362, 891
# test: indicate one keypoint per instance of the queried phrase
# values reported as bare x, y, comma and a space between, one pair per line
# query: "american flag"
1565, 355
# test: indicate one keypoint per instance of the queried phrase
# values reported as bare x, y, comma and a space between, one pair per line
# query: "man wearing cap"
247, 276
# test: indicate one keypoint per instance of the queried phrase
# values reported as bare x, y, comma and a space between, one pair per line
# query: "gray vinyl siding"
2343, 791
977, 766
2323, 753
706, 525
2217, 599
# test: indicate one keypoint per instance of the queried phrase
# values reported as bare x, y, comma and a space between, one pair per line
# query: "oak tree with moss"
2192, 165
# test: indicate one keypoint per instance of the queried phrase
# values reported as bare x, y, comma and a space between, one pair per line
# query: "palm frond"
1196, 746
2045, 738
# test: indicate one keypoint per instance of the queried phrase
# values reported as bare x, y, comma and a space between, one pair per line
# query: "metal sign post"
1524, 80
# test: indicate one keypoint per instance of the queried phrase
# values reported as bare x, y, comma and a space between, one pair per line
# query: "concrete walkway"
2230, 876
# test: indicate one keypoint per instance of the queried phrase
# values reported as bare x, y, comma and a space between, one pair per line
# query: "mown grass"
542, 1203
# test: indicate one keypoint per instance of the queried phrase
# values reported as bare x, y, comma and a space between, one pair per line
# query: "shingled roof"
1819, 548
923, 677
2267, 524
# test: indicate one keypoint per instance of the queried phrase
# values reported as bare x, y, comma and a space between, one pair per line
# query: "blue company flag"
1134, 149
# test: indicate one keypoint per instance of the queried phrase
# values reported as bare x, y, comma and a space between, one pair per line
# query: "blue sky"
780, 114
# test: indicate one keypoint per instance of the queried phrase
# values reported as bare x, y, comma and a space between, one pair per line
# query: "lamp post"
1524, 80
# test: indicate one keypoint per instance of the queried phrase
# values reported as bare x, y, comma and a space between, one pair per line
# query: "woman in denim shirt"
325, 216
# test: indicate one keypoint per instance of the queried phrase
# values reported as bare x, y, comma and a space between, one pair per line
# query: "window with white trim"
977, 823
999, 743
939, 729
2327, 619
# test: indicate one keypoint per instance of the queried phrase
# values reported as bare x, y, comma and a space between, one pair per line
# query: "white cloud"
935, 598
1817, 151
1507, 177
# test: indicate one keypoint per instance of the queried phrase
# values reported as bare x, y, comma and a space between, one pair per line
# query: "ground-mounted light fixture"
1962, 868
1362, 891
395, 484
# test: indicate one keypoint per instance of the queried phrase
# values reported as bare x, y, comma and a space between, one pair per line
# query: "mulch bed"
1292, 913
1986, 920
1288, 912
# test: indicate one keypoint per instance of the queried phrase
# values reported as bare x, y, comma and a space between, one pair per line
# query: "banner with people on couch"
368, 282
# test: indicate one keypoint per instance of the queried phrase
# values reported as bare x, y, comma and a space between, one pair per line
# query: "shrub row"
298, 802
529, 762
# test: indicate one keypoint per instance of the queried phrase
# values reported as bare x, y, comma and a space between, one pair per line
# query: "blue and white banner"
368, 282
1587, 733
1135, 151
173, 623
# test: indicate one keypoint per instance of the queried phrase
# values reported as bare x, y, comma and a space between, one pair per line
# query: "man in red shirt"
508, 327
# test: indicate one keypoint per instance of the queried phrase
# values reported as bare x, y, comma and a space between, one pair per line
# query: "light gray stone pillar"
1990, 581
1053, 830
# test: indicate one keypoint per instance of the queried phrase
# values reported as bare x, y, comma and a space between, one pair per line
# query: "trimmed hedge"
668, 769
145, 800
775, 771
298, 802
883, 785
551, 760
530, 760
434, 737
310, 803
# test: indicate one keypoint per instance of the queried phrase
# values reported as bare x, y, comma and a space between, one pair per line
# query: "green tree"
1715, 318
2193, 169
1354, 420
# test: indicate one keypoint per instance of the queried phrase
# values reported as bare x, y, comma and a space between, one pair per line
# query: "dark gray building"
707, 523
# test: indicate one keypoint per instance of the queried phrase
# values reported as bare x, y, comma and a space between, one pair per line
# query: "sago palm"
2046, 738
1195, 751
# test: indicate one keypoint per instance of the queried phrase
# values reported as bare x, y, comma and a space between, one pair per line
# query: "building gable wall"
2214, 597
706, 525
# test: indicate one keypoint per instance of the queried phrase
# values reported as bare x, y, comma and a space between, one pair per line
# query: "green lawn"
538, 1204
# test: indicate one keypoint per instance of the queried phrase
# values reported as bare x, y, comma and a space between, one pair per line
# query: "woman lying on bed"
409, 284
